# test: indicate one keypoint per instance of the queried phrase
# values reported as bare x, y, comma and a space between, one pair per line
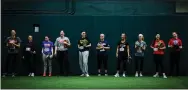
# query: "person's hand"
55, 54
81, 47
34, 52
116, 54
23, 57
51, 56
155, 49
65, 43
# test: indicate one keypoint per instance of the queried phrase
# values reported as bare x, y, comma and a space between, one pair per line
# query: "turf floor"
93, 82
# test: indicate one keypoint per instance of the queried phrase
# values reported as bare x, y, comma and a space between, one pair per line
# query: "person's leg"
60, 61
136, 66
7, 64
99, 59
177, 61
105, 64
162, 65
65, 63
156, 57
44, 58
124, 65
14, 64
33, 64
172, 63
141, 65
81, 62
85, 61
27, 60
50, 66
118, 66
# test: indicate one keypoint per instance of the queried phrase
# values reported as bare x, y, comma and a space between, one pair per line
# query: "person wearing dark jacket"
29, 52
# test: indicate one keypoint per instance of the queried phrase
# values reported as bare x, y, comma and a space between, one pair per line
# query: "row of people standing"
62, 44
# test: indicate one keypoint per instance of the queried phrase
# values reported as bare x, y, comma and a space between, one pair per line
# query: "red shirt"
159, 44
175, 42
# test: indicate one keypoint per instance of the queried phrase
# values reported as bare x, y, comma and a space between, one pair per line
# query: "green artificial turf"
93, 82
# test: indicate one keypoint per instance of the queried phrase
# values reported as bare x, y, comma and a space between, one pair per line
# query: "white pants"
47, 61
83, 61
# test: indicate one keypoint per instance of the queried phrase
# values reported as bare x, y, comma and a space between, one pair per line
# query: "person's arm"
89, 45
170, 44
117, 51
164, 46
107, 47
6, 41
19, 41
55, 44
98, 48
144, 46
68, 42
128, 50
180, 46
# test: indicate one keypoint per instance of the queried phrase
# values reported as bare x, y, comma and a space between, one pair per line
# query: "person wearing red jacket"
158, 47
175, 45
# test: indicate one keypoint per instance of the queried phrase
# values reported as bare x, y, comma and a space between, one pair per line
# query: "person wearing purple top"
47, 54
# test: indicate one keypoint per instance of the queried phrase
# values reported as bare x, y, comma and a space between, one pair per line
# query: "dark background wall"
111, 18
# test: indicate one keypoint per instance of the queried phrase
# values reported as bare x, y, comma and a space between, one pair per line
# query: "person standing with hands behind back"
175, 44
83, 45
62, 44
158, 47
13, 45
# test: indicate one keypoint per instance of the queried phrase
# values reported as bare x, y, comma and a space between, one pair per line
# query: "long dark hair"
153, 43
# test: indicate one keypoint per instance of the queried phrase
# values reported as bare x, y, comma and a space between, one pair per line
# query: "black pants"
102, 60
174, 61
139, 60
10, 63
62, 57
30, 60
121, 64
158, 59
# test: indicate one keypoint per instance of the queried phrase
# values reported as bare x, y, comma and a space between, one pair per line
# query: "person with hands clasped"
102, 56
47, 55
84, 45
158, 47
123, 55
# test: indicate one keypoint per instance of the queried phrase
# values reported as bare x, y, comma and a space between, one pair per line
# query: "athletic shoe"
106, 74
13, 75
99, 74
29, 74
50, 74
87, 75
116, 75
124, 75
44, 74
164, 76
156, 75
82, 75
141, 75
32, 74
136, 75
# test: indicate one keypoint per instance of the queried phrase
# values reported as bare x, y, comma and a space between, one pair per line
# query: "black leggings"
174, 61
158, 59
62, 57
102, 60
30, 60
139, 60
121, 64
11, 62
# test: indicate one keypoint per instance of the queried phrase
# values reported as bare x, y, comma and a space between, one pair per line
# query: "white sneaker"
136, 75
164, 76
82, 75
106, 74
141, 75
13, 75
87, 75
116, 75
99, 74
156, 75
32, 74
29, 74
124, 75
